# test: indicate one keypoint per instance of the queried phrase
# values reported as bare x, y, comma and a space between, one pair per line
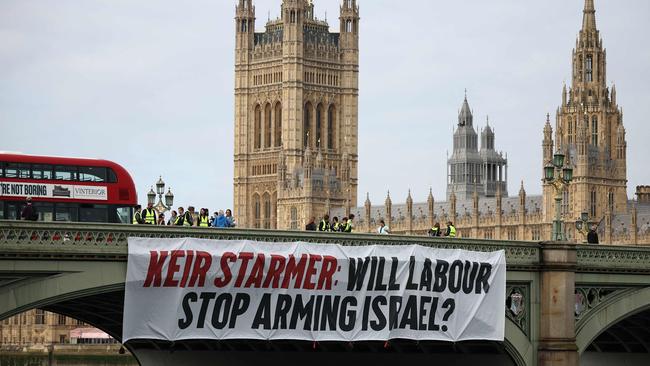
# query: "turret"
245, 25
368, 207
487, 136
389, 209
430, 207
522, 197
349, 20
547, 143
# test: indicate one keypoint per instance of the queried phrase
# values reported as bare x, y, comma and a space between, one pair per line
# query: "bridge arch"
599, 321
44, 284
93, 292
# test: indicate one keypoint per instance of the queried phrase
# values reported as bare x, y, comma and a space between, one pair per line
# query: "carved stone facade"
589, 130
296, 115
36, 328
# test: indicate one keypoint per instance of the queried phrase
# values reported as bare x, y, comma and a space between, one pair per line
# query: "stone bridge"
573, 304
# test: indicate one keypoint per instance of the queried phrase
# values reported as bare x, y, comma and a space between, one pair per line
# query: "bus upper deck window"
15, 170
63, 172
92, 174
112, 177
42, 171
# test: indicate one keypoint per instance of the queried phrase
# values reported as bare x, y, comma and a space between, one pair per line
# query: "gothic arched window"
570, 130
267, 125
257, 212
267, 211
592, 203
594, 131
589, 69
306, 125
319, 124
331, 126
278, 124
257, 133
294, 218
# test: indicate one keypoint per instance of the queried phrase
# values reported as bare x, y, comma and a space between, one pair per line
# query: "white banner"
179, 289
62, 191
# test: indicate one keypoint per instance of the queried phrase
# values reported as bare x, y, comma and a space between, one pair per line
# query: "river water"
44, 360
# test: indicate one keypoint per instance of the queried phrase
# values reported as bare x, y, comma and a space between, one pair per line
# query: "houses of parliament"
296, 142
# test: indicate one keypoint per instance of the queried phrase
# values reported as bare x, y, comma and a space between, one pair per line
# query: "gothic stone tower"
471, 171
589, 130
296, 115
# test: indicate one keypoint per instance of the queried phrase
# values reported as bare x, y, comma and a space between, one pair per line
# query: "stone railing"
110, 240
55, 239
618, 259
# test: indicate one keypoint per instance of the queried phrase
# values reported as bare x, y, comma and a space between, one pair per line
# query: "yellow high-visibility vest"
136, 218
150, 216
204, 221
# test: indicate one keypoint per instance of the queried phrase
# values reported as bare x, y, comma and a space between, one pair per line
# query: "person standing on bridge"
172, 219
190, 217
592, 236
137, 216
180, 219
311, 226
204, 219
230, 219
29, 211
451, 230
349, 225
324, 223
383, 229
336, 226
150, 215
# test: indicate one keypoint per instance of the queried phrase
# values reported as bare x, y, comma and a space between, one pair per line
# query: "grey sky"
149, 84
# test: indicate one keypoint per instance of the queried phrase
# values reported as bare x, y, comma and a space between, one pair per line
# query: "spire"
465, 117
589, 16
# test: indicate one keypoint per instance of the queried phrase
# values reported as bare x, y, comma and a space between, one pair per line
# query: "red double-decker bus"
66, 189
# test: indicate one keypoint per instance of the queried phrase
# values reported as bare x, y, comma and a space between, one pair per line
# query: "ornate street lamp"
161, 206
151, 197
558, 175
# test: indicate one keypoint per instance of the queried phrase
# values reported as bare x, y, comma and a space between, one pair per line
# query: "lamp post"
558, 175
583, 224
161, 207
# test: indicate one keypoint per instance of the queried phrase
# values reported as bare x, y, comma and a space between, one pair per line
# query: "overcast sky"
149, 84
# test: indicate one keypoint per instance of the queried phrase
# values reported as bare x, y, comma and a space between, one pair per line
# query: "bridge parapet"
58, 239
110, 240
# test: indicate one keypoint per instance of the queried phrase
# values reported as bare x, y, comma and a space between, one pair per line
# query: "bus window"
63, 172
112, 177
124, 215
13, 211
2, 171
98, 213
66, 212
15, 170
45, 211
92, 174
42, 171
2, 210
